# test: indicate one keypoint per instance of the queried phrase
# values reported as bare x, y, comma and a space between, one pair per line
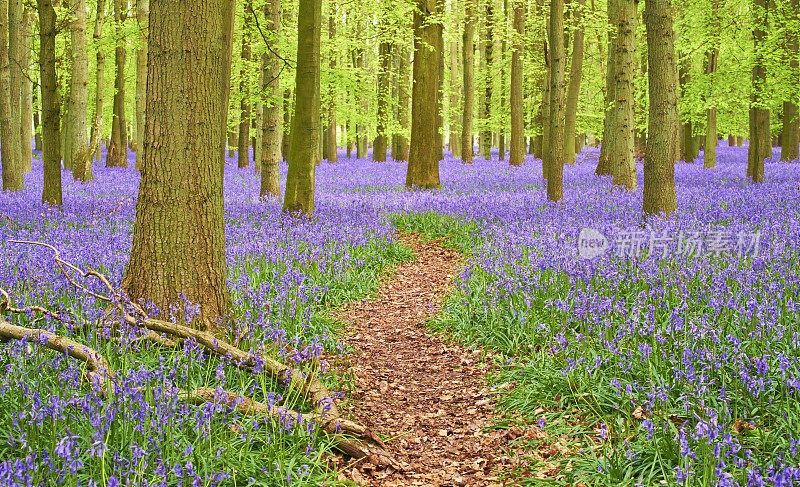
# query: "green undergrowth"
451, 232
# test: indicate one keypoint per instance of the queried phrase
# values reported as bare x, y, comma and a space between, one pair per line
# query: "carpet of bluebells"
672, 358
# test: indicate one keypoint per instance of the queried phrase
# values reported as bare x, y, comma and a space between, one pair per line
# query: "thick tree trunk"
303, 154
574, 90
243, 159
468, 55
486, 133
790, 143
51, 137
517, 154
80, 156
97, 123
659, 160
271, 133
760, 147
423, 159
381, 138
27, 90
555, 153
15, 36
117, 155
142, 14
402, 105
178, 234
621, 154
331, 134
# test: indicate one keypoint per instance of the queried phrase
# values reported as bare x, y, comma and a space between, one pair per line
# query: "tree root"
326, 412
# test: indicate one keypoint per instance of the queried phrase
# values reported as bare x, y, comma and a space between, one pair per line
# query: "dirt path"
426, 395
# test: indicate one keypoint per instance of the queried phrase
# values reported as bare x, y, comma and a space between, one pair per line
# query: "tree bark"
501, 133
454, 94
760, 147
97, 123
402, 105
574, 90
286, 133
331, 133
271, 133
486, 133
468, 55
9, 146
27, 90
243, 159
603, 163
80, 157
381, 138
790, 143
117, 155
178, 234
51, 137
423, 159
690, 151
546, 106
555, 153
15, 36
228, 25
621, 153
659, 160
303, 154
710, 146
142, 13
517, 153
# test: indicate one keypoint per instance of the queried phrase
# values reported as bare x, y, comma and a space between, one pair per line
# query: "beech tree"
243, 157
51, 113
791, 114
760, 147
517, 153
180, 202
273, 107
12, 167
142, 13
80, 156
118, 146
468, 47
574, 88
555, 150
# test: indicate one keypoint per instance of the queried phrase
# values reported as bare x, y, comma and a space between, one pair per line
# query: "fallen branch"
99, 370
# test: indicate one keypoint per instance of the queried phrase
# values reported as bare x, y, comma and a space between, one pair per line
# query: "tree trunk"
15, 36
244, 91
790, 143
402, 105
381, 138
51, 137
286, 133
142, 13
621, 154
423, 159
117, 155
486, 133
468, 54
255, 129
603, 163
501, 134
331, 139
689, 152
546, 108
97, 123
659, 161
37, 132
27, 90
760, 147
80, 156
555, 153
271, 132
303, 155
710, 146
454, 95
228, 25
517, 154
574, 90
12, 167
179, 234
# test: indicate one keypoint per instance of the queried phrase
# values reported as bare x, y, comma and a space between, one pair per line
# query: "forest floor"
425, 396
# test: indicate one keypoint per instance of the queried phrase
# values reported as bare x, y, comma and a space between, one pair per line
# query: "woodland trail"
427, 396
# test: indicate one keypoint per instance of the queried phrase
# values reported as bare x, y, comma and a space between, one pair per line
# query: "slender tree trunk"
603, 163
286, 140
117, 155
760, 147
555, 154
423, 159
486, 134
244, 90
468, 54
303, 157
15, 36
228, 26
64, 67
790, 143
621, 153
402, 105
546, 107
331, 139
659, 160
97, 123
179, 233
574, 90
710, 146
454, 94
27, 90
381, 138
273, 109
142, 13
690, 150
501, 134
51, 138
79, 96
37, 132
517, 154
256, 139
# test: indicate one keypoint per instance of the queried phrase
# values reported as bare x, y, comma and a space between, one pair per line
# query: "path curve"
428, 396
